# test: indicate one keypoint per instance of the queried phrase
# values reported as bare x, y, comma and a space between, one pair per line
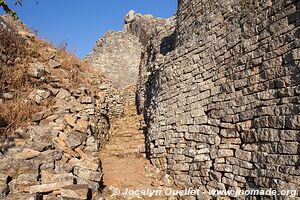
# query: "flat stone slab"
75, 191
44, 188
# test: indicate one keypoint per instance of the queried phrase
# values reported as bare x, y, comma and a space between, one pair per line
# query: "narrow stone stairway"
124, 162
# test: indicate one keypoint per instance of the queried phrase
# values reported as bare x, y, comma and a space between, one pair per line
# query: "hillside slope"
53, 119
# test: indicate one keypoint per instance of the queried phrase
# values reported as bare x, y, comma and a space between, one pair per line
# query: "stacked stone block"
222, 108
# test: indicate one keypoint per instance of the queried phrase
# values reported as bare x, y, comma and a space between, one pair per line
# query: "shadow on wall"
151, 89
168, 43
152, 86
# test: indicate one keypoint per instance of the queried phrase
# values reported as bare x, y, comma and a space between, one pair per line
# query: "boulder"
130, 17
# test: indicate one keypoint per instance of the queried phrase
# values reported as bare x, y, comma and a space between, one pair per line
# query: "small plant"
63, 46
8, 10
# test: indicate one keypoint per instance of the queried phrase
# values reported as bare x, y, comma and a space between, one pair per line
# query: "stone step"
128, 134
130, 122
121, 140
139, 153
128, 155
139, 138
126, 131
125, 147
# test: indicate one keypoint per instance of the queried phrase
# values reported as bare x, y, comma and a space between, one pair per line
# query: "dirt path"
123, 160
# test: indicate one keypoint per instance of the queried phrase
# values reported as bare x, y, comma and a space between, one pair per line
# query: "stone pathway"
123, 160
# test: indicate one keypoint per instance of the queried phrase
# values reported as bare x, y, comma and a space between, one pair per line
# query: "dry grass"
11, 47
79, 72
18, 112
15, 114
12, 78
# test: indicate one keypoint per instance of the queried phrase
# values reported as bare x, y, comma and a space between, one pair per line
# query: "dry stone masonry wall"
222, 105
58, 153
55, 155
117, 54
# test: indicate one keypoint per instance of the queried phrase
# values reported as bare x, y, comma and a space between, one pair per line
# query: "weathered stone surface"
86, 99
62, 94
229, 133
54, 63
243, 155
221, 88
50, 177
81, 126
70, 126
121, 52
40, 137
86, 164
74, 139
37, 117
289, 148
130, 16
21, 185
39, 95
202, 157
21, 196
6, 95
36, 70
27, 154
225, 153
223, 167
44, 188
70, 120
118, 54
88, 174
94, 186
197, 112
75, 191
3, 188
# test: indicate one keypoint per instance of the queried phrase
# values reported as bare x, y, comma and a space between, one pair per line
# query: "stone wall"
160, 43
142, 26
54, 154
57, 155
222, 107
118, 54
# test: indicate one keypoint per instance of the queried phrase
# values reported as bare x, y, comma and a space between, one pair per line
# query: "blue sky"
81, 23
